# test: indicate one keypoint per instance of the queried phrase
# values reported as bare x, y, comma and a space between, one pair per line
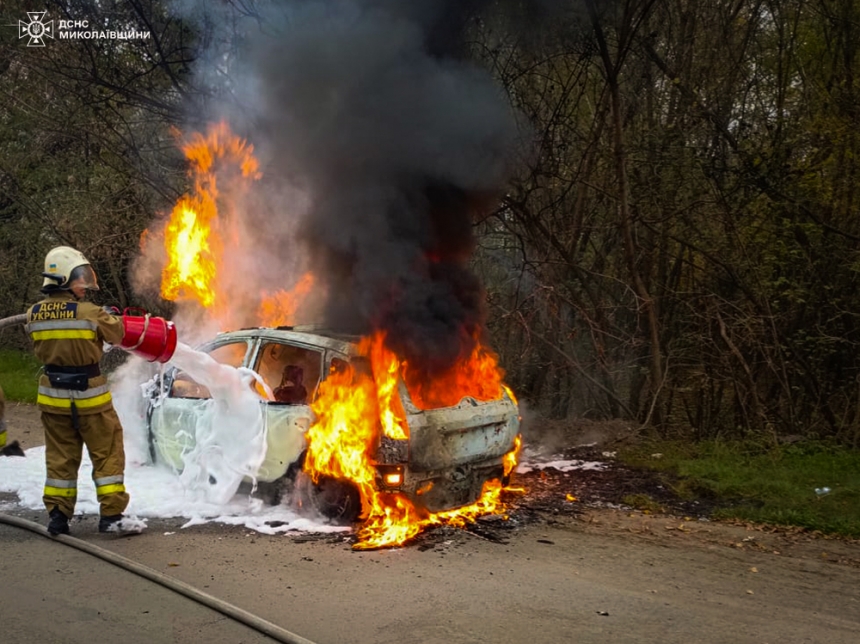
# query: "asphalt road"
611, 578
51, 593
601, 576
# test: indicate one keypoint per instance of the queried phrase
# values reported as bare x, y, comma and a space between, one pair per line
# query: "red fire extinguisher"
152, 338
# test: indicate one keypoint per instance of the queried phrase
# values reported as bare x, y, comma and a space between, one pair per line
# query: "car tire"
336, 499
272, 493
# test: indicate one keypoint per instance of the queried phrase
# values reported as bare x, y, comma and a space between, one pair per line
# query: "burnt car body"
449, 455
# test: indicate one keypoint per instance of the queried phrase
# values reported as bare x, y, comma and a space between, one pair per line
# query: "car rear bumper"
453, 488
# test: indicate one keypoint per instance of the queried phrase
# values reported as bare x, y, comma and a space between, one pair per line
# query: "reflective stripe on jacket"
68, 333
63, 330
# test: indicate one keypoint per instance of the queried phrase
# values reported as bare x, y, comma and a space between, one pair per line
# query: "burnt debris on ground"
551, 494
608, 486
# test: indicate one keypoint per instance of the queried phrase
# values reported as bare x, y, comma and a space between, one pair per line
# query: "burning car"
441, 460
406, 427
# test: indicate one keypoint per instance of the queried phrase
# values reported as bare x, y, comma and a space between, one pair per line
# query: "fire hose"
234, 612
13, 320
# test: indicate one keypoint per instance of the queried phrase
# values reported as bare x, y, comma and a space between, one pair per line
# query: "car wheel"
272, 493
336, 499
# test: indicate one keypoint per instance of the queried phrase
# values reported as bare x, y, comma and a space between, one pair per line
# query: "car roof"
307, 335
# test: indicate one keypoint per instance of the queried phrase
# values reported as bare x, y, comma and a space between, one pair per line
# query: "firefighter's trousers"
102, 434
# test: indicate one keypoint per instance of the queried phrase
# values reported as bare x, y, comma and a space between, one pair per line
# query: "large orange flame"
201, 230
194, 236
477, 375
352, 410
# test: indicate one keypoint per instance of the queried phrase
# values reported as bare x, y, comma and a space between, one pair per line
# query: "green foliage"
754, 482
19, 375
83, 126
741, 157
643, 502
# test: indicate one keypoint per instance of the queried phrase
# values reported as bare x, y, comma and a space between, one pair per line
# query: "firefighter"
68, 335
13, 448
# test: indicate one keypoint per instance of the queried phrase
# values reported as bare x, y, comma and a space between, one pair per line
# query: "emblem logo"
37, 29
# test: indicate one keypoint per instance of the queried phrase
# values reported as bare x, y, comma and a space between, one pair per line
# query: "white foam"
229, 434
527, 466
156, 492
130, 402
230, 445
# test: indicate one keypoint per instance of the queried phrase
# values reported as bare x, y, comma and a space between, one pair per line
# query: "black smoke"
372, 109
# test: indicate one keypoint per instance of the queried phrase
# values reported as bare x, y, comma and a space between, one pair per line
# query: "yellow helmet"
64, 265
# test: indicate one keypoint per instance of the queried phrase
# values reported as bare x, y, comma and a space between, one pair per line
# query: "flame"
279, 308
512, 457
194, 235
478, 376
190, 266
386, 367
353, 409
340, 440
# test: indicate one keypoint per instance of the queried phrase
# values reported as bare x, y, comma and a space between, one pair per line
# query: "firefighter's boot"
59, 523
121, 525
12, 449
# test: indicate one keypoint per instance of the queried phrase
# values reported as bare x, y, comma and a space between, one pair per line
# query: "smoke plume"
370, 108
379, 143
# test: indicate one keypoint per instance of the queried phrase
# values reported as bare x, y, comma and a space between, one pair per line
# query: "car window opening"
184, 386
293, 373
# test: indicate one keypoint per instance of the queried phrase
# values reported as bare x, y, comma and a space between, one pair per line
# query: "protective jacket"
68, 338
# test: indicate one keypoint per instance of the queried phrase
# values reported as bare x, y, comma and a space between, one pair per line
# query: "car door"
173, 417
292, 372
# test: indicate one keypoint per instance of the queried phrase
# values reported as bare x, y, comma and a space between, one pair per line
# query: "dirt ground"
554, 570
